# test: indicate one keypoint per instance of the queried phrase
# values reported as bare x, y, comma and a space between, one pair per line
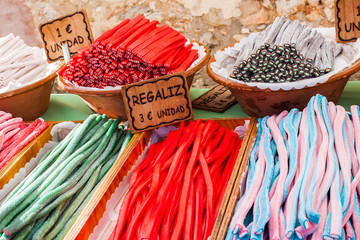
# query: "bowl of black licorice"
283, 66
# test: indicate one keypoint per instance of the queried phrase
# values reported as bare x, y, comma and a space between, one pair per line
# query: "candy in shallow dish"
300, 62
133, 51
26, 79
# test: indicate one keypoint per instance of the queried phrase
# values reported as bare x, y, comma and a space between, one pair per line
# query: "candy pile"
276, 64
303, 179
177, 190
14, 135
48, 201
133, 51
19, 63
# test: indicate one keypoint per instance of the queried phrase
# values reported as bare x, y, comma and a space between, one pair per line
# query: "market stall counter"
70, 107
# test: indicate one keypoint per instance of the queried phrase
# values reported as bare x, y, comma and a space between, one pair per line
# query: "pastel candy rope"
277, 199
344, 160
309, 159
310, 162
330, 158
333, 226
292, 201
262, 204
312, 196
249, 198
291, 127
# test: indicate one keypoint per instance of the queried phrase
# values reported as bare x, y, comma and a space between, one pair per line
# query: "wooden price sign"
217, 99
157, 102
347, 20
73, 29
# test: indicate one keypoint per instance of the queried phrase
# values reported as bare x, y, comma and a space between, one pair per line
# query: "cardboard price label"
157, 102
217, 99
347, 20
73, 29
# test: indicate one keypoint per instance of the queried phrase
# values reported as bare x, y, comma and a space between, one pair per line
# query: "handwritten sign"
217, 99
157, 102
347, 20
73, 29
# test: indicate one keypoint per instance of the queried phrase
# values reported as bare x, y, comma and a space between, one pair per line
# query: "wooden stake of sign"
73, 29
217, 99
347, 20
157, 102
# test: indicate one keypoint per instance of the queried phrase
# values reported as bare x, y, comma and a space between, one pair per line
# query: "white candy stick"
34, 74
6, 39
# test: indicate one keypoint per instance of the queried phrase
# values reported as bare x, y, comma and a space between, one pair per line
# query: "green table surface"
64, 107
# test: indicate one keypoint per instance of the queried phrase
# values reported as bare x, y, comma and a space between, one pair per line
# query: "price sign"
157, 102
73, 29
217, 99
347, 20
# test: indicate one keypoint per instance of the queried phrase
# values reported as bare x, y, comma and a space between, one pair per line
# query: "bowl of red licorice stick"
284, 66
133, 51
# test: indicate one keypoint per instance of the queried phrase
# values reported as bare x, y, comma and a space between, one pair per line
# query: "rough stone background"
214, 23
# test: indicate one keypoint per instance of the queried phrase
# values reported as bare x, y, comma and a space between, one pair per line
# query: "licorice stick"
292, 201
291, 126
310, 160
154, 200
277, 199
344, 159
262, 204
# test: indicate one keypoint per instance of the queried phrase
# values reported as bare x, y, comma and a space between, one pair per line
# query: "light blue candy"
292, 121
262, 203
312, 135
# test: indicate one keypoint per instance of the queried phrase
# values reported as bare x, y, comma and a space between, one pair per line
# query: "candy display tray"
29, 152
238, 186
23, 156
117, 173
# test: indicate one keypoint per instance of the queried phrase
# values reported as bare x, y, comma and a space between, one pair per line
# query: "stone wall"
215, 23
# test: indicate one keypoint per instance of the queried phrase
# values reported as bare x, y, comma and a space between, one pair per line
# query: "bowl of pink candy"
133, 51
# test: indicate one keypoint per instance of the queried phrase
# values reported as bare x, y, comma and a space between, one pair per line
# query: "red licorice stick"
151, 53
18, 138
174, 137
229, 165
210, 195
154, 205
123, 29
159, 40
40, 128
142, 30
165, 56
175, 171
179, 222
111, 32
162, 58
145, 40
199, 207
190, 58
125, 32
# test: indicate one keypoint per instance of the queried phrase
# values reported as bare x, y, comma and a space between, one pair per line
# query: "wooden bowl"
258, 102
31, 101
111, 102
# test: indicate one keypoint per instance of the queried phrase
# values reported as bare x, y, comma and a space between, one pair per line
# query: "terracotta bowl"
110, 102
31, 101
258, 102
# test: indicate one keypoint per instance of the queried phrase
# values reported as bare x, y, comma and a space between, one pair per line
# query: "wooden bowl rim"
32, 85
346, 72
71, 89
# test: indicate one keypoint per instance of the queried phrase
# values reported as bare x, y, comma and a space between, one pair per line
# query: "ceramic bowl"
111, 102
30, 101
258, 102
